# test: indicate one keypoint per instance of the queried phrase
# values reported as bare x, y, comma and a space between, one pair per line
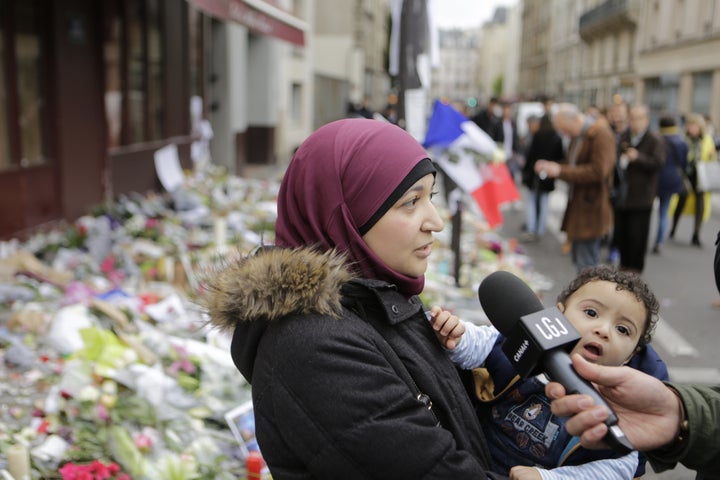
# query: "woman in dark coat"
348, 378
545, 144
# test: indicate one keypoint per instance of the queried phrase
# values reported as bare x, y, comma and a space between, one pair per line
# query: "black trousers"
631, 237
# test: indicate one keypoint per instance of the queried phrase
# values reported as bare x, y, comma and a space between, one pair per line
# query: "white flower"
89, 393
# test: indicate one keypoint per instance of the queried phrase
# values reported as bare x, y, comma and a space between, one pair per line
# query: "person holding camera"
642, 156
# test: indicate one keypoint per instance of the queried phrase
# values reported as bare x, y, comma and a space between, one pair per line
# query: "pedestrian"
488, 119
348, 380
615, 313
364, 109
587, 169
673, 423
508, 137
701, 148
672, 178
618, 117
545, 144
642, 157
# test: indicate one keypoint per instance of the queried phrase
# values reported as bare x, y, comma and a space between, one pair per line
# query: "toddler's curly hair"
623, 280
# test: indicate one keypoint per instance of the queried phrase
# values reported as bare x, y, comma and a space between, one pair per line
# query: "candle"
254, 464
18, 462
221, 234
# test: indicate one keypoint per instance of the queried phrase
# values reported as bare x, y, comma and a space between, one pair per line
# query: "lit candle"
18, 462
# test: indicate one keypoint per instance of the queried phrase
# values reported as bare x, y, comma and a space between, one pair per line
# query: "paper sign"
167, 167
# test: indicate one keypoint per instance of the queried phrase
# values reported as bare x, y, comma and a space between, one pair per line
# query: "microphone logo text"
523, 346
551, 328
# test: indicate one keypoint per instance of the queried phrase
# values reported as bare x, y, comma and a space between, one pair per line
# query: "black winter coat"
642, 174
547, 145
342, 373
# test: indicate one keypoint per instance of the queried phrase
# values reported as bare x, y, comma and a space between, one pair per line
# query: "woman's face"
693, 129
402, 238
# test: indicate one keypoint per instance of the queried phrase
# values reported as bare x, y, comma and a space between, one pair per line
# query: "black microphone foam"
505, 298
539, 339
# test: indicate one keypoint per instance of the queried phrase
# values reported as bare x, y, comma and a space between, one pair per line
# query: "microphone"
539, 339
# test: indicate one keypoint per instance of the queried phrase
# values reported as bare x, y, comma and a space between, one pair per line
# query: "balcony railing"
609, 16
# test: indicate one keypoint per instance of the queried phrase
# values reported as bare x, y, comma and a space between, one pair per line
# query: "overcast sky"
465, 13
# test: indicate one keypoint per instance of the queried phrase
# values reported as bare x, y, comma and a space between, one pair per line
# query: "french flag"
456, 142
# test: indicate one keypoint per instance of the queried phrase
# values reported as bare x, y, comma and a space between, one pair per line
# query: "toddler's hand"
448, 327
521, 472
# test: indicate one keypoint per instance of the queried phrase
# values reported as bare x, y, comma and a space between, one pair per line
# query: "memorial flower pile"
109, 369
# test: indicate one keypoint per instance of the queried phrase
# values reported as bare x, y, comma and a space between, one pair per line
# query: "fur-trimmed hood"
274, 283
250, 292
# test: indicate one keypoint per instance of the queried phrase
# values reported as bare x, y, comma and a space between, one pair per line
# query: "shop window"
4, 124
296, 102
112, 33
702, 92
134, 71
23, 93
196, 32
661, 95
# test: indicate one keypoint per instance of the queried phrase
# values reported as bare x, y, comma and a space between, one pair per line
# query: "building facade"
258, 79
455, 79
91, 90
350, 52
658, 52
677, 66
498, 55
535, 48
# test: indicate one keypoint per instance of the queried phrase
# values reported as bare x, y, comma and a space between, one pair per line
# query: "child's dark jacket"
516, 418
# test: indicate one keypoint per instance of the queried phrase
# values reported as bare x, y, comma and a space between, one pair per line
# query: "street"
682, 279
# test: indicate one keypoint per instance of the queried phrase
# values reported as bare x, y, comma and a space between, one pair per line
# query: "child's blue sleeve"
622, 468
474, 346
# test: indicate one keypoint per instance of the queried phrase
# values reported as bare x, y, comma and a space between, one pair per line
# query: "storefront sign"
258, 16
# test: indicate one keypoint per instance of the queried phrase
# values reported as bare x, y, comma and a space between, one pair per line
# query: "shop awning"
258, 16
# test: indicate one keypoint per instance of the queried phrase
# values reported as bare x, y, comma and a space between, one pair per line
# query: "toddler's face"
610, 322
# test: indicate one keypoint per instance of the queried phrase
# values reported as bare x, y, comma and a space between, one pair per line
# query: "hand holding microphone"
650, 411
540, 339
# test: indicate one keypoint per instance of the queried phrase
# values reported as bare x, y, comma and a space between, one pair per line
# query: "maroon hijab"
337, 180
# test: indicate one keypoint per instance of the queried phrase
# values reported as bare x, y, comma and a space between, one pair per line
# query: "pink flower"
102, 412
96, 470
143, 442
77, 292
181, 351
187, 366
116, 277
108, 265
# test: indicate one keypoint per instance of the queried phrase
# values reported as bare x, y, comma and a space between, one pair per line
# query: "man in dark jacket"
488, 120
642, 156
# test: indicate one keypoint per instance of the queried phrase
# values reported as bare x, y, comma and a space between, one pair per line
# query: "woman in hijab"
348, 379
